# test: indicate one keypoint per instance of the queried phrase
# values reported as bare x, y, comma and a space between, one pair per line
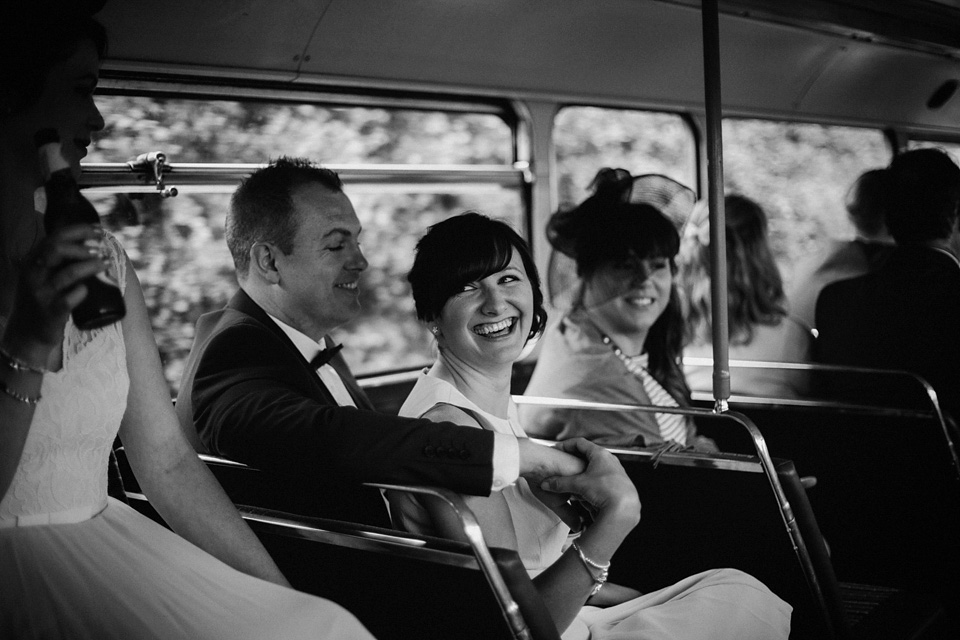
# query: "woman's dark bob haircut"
464, 249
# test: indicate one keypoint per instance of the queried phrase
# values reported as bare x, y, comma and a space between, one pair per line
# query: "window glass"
589, 138
952, 148
177, 244
799, 173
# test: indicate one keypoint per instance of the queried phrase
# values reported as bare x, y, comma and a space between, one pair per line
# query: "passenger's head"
624, 251
866, 204
754, 286
50, 54
294, 238
924, 195
475, 282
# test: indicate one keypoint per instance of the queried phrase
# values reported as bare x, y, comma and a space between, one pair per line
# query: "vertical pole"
718, 236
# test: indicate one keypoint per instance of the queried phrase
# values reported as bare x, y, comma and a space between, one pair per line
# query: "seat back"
705, 512
887, 497
399, 585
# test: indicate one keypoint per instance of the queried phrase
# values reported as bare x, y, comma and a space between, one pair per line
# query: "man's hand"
603, 485
538, 462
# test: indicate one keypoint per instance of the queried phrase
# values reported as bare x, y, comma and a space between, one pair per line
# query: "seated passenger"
760, 327
620, 342
843, 259
75, 563
263, 384
906, 314
475, 283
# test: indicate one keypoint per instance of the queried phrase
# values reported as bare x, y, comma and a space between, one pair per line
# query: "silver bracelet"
19, 397
19, 365
599, 578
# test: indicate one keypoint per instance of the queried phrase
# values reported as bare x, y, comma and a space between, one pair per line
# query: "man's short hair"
866, 202
924, 195
261, 209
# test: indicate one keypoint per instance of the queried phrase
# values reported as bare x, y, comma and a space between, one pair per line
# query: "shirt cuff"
506, 460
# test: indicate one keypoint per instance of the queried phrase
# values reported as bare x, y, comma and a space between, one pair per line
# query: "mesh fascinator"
609, 186
671, 198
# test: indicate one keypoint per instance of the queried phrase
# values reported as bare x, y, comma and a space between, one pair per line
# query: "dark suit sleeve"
255, 402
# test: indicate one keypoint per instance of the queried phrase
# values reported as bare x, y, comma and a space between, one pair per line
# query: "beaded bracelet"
19, 397
598, 579
19, 365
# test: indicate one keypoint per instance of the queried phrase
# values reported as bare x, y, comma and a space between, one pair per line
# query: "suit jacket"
905, 315
252, 397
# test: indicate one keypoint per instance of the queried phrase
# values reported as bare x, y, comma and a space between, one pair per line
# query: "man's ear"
263, 262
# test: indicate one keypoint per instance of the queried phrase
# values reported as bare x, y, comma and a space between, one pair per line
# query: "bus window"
952, 148
404, 169
799, 173
588, 138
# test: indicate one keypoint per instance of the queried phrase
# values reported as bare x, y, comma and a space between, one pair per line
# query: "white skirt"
121, 575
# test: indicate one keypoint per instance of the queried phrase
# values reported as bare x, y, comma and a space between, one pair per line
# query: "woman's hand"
603, 486
50, 286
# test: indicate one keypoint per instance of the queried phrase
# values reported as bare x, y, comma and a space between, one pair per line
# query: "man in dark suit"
249, 389
906, 315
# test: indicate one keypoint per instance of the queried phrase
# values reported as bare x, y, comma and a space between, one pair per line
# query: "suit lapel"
243, 303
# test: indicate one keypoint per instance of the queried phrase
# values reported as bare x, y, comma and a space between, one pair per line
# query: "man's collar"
306, 345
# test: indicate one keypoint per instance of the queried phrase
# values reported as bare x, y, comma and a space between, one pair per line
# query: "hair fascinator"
672, 199
609, 186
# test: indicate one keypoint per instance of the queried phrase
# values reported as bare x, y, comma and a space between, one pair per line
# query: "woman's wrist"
23, 360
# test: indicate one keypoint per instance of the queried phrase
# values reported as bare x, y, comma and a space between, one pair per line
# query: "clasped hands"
576, 470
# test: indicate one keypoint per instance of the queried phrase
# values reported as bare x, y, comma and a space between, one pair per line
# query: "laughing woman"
475, 284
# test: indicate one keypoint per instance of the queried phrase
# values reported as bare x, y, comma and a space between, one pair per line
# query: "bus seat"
888, 488
704, 511
400, 585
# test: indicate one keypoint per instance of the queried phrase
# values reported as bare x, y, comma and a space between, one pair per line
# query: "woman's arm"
566, 584
605, 487
174, 479
47, 289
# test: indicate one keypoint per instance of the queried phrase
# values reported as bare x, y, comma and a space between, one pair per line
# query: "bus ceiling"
846, 61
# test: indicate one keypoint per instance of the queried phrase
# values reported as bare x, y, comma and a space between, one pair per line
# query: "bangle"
19, 397
599, 578
17, 364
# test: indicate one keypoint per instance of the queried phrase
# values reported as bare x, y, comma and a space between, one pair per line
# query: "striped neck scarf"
673, 426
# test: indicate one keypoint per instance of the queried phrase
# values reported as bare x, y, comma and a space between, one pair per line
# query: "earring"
435, 330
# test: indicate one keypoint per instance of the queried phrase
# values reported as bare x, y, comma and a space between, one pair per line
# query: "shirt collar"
306, 345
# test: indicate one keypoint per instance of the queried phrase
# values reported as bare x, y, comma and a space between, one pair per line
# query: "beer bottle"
65, 206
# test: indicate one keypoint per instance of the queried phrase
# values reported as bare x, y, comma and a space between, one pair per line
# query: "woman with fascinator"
760, 327
620, 341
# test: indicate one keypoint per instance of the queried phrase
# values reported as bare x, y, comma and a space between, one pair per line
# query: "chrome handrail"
473, 533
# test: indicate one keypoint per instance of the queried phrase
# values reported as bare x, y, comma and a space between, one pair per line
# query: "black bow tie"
325, 356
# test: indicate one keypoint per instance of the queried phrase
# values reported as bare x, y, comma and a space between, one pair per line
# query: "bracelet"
19, 365
19, 397
598, 579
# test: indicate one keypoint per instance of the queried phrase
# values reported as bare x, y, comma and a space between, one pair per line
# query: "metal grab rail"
471, 529
474, 535
139, 177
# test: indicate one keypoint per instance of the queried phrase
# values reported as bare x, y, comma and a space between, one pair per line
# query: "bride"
475, 285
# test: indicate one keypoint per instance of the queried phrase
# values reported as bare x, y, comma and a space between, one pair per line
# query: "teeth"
486, 329
348, 285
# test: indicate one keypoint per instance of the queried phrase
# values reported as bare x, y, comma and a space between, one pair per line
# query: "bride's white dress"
713, 605
77, 564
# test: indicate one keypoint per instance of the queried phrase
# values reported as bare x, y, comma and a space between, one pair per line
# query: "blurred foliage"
798, 172
177, 245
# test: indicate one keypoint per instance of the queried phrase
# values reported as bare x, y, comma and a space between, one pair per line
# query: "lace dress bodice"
64, 463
